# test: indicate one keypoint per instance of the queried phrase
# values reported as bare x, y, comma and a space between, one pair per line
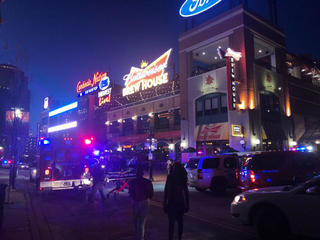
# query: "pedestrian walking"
97, 174
150, 158
141, 191
169, 165
176, 198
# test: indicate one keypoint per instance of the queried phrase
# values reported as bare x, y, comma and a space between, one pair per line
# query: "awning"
212, 132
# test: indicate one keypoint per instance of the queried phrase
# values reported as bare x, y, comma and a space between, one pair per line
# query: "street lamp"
15, 135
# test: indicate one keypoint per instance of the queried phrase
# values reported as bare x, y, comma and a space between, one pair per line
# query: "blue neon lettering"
194, 7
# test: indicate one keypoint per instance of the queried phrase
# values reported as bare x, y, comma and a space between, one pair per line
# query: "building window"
128, 127
265, 54
143, 124
199, 108
206, 58
208, 106
177, 117
215, 105
212, 108
224, 103
162, 120
115, 127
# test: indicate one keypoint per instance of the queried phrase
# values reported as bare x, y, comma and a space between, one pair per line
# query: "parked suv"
214, 172
277, 168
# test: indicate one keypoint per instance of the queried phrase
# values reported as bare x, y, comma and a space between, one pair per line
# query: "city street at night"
159, 120
66, 215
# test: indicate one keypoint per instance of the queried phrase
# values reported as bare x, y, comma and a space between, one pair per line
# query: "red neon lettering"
104, 100
97, 77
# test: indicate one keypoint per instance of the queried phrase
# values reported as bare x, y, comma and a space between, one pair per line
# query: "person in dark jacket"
176, 198
97, 174
140, 190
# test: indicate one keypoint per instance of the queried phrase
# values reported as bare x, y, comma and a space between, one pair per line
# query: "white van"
214, 172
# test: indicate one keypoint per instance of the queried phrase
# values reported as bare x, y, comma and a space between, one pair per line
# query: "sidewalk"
16, 221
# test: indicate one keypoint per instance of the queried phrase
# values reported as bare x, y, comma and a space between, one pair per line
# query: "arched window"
212, 108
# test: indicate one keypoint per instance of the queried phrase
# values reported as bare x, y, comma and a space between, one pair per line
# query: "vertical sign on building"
232, 57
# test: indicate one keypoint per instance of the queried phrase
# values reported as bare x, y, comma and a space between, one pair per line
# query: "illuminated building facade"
147, 112
234, 86
304, 89
14, 107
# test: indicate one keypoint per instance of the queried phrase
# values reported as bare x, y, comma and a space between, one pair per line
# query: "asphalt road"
68, 216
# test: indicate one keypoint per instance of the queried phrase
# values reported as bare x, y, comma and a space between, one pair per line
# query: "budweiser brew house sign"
153, 75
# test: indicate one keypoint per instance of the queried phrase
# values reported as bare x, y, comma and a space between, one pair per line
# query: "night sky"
58, 43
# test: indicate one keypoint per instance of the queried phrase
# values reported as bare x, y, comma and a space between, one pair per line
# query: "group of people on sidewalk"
175, 202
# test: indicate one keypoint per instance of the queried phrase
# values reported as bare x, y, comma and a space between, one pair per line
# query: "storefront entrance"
209, 148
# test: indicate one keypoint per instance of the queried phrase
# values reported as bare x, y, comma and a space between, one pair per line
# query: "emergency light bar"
63, 109
63, 127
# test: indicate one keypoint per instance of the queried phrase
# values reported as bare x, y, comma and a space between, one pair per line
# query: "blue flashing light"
5, 161
269, 180
46, 142
96, 153
63, 109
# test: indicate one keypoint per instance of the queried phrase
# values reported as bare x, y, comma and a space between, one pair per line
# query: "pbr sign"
194, 7
152, 76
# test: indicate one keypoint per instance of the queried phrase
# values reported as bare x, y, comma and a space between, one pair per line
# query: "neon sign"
194, 7
105, 94
233, 54
104, 100
97, 78
63, 127
152, 76
232, 57
63, 109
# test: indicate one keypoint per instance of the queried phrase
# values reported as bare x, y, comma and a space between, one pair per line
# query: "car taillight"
86, 170
200, 175
252, 177
47, 172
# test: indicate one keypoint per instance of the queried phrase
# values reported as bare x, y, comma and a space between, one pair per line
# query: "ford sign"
194, 7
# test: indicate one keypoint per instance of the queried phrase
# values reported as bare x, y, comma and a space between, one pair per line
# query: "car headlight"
86, 181
34, 171
239, 199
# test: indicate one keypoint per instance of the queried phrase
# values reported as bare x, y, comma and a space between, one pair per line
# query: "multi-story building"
147, 112
304, 88
234, 84
31, 146
14, 108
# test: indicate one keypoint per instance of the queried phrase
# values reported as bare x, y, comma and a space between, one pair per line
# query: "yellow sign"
237, 131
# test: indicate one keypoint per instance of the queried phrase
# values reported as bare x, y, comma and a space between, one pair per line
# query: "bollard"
2, 198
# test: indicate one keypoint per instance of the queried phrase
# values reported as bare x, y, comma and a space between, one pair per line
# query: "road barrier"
2, 198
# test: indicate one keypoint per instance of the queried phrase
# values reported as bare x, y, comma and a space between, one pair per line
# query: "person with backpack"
176, 198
